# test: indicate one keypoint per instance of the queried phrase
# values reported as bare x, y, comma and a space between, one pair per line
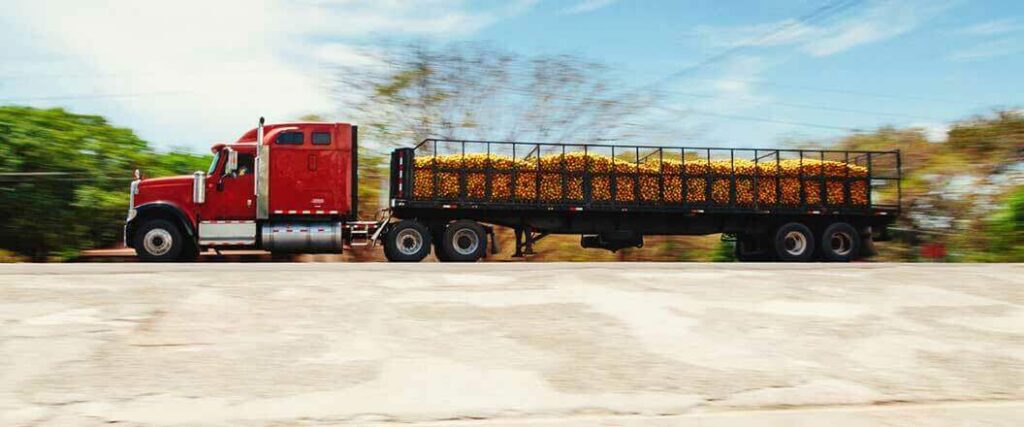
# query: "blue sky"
190, 73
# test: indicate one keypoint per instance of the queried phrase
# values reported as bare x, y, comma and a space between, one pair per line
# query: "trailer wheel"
407, 241
840, 243
437, 232
159, 240
794, 242
464, 241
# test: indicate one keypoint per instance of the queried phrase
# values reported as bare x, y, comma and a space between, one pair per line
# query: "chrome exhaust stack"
262, 182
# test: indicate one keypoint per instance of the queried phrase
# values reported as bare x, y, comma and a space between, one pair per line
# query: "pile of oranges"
560, 177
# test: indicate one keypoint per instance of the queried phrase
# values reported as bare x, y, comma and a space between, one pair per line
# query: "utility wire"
756, 119
838, 91
805, 106
822, 12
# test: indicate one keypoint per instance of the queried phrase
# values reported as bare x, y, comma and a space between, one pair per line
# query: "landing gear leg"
525, 238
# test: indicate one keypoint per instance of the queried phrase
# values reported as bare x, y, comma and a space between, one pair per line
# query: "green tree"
64, 182
1005, 230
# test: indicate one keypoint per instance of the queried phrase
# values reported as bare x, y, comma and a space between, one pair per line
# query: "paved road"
512, 344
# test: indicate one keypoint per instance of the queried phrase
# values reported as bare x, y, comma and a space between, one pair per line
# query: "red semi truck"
292, 188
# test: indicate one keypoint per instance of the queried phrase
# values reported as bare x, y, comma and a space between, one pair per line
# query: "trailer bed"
879, 172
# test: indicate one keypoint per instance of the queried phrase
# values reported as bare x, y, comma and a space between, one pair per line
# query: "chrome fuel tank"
302, 237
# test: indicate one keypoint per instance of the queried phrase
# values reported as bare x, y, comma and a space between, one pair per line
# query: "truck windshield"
213, 165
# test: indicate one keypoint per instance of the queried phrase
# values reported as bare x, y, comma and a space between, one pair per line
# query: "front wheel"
159, 240
407, 241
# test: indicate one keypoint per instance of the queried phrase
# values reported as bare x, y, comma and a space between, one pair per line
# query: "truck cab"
287, 187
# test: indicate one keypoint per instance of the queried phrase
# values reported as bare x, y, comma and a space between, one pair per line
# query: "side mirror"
232, 164
199, 187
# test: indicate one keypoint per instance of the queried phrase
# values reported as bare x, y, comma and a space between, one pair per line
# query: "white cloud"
587, 6
225, 62
875, 22
751, 35
734, 87
987, 50
881, 21
991, 28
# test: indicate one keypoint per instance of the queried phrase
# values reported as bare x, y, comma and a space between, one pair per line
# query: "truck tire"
159, 240
840, 243
437, 231
464, 241
439, 252
190, 253
794, 242
407, 241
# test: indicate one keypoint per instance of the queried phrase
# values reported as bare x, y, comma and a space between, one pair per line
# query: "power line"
822, 12
837, 90
756, 119
807, 106
708, 113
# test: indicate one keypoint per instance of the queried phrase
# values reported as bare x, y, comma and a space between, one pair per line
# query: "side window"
246, 164
289, 138
321, 138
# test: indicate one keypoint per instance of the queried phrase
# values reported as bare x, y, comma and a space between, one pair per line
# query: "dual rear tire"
796, 242
459, 241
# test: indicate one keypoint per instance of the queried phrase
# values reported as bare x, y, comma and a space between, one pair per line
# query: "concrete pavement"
511, 344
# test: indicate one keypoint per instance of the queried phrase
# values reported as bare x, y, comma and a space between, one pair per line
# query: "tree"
65, 179
472, 91
952, 188
1005, 229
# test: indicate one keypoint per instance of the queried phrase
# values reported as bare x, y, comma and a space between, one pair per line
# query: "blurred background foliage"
64, 180
64, 177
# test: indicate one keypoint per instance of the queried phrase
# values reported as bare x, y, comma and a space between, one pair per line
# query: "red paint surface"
303, 177
933, 250
175, 191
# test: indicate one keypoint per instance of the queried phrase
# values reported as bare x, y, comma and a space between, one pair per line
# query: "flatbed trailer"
614, 222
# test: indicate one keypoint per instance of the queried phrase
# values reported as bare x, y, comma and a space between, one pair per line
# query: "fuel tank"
304, 237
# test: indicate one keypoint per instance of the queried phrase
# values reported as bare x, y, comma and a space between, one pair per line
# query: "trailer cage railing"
882, 180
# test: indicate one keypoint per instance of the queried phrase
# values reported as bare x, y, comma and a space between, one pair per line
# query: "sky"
189, 73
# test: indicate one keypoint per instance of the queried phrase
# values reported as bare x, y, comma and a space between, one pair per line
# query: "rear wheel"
464, 241
840, 243
407, 241
437, 231
794, 242
159, 240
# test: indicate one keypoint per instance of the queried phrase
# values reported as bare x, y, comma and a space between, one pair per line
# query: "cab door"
230, 193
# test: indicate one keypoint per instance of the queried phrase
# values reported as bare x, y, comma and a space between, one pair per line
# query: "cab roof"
250, 136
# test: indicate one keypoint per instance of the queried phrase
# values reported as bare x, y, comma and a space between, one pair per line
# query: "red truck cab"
282, 187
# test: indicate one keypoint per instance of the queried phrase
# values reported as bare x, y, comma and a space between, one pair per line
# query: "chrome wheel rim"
795, 243
841, 243
465, 242
409, 241
157, 242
